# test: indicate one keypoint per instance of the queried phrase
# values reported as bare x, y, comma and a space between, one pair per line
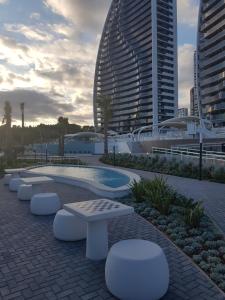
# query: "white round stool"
14, 184
7, 178
25, 192
67, 227
45, 204
137, 269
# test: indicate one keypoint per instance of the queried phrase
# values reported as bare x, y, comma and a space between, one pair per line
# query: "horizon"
48, 54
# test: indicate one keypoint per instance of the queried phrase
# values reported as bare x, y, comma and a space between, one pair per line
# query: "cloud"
35, 16
3, 1
185, 72
13, 44
87, 15
30, 32
187, 12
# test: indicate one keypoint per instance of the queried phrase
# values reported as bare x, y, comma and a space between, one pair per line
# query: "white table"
96, 213
36, 182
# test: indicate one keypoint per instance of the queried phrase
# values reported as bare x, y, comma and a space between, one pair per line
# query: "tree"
62, 125
104, 103
7, 120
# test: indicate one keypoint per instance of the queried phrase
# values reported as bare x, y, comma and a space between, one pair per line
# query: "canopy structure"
85, 136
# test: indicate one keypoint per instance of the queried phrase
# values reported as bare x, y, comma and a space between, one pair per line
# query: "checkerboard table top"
100, 209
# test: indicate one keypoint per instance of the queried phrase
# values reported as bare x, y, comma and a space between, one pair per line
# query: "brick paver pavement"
34, 265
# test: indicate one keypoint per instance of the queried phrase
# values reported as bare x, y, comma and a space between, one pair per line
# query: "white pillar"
97, 240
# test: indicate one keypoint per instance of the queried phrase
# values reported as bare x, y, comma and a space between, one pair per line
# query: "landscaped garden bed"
162, 165
184, 222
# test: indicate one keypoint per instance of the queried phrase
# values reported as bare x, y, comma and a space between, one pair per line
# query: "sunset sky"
48, 51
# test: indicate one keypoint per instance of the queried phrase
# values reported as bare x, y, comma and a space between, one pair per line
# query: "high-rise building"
211, 60
137, 64
194, 105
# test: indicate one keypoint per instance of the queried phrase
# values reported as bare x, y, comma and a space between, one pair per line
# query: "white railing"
208, 155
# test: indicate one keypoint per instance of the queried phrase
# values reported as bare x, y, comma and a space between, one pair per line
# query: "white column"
97, 240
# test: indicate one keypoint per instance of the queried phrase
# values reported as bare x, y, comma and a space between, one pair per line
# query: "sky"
48, 51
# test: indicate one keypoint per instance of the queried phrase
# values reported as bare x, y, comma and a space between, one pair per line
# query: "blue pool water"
107, 177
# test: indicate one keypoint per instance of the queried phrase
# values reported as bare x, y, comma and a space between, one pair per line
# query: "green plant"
158, 193
193, 216
138, 190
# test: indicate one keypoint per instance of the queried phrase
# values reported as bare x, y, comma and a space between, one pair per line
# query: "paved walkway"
210, 193
34, 265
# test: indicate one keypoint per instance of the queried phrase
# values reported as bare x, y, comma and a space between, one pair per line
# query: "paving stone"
36, 266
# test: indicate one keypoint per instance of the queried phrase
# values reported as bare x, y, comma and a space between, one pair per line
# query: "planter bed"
164, 166
203, 243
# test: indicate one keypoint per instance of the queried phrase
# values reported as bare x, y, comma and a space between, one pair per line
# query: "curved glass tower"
137, 64
211, 60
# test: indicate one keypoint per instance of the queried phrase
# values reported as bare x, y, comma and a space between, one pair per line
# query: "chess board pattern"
97, 206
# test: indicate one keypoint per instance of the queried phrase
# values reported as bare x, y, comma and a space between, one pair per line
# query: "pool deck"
34, 265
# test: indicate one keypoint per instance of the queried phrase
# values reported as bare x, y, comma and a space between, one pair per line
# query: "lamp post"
46, 153
200, 153
114, 155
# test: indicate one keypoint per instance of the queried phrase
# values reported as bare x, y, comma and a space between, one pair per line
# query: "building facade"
211, 60
137, 64
194, 105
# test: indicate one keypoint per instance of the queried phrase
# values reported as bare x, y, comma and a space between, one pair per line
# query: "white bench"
137, 269
67, 227
44, 204
25, 192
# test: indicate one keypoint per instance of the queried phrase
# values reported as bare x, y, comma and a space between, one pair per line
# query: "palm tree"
104, 103
22, 113
62, 125
7, 120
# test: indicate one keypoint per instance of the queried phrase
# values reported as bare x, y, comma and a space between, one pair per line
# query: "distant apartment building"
194, 106
137, 64
182, 112
211, 60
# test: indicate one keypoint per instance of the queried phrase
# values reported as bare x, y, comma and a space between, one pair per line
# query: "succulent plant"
211, 245
180, 243
204, 266
216, 277
162, 227
197, 258
220, 269
189, 250
214, 260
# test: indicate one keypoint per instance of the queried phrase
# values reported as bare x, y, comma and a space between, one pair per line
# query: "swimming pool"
107, 177
103, 181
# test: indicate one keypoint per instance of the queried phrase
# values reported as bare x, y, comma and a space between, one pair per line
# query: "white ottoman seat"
25, 192
67, 227
137, 269
45, 204
14, 184
7, 178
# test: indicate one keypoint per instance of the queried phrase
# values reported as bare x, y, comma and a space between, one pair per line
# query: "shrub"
138, 190
158, 193
192, 216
